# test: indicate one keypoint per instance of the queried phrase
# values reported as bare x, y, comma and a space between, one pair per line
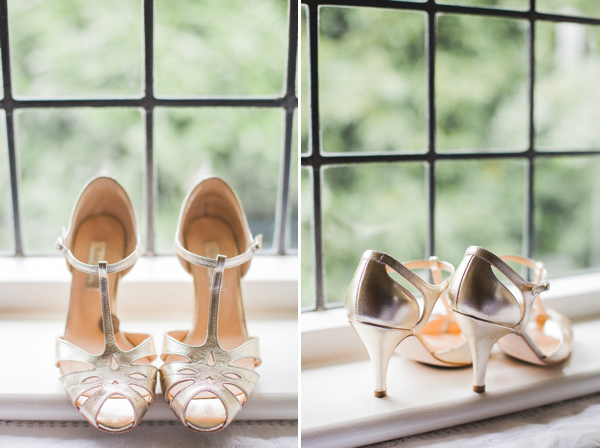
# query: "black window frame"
316, 159
287, 101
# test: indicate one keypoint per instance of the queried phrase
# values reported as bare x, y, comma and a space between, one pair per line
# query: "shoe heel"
380, 343
481, 337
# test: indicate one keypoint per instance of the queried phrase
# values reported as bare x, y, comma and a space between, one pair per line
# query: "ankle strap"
207, 262
93, 268
540, 283
434, 263
404, 269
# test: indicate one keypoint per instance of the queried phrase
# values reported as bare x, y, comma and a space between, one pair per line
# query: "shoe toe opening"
116, 414
206, 412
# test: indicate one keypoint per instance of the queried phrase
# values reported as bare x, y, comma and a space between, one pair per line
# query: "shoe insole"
210, 237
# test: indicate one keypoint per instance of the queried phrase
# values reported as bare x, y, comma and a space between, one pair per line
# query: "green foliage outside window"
372, 99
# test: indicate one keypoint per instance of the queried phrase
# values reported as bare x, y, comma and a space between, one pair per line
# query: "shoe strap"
540, 280
540, 283
540, 273
207, 262
125, 263
215, 295
102, 269
531, 290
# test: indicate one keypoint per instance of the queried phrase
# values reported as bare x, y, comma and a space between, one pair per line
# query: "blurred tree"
372, 98
94, 49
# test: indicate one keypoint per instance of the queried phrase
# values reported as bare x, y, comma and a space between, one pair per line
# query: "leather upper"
476, 291
376, 298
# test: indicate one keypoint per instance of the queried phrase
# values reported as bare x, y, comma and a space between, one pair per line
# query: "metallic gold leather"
544, 357
110, 381
210, 263
207, 369
112, 373
377, 299
481, 337
482, 295
380, 343
565, 346
476, 291
384, 313
121, 265
486, 311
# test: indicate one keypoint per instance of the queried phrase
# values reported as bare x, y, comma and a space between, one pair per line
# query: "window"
157, 98
432, 126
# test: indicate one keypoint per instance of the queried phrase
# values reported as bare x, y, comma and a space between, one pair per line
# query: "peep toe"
209, 370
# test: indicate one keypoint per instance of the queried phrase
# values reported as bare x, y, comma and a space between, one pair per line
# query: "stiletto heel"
481, 337
488, 312
384, 314
380, 343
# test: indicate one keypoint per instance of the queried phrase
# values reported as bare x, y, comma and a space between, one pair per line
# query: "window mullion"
8, 104
431, 128
281, 211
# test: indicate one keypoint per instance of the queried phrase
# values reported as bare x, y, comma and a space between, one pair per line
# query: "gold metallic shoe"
105, 372
384, 313
488, 312
209, 371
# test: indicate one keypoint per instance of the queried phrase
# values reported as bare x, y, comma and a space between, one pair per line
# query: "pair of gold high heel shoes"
480, 310
208, 371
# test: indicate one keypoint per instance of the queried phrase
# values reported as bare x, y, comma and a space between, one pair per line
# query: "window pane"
570, 7
567, 213
372, 80
60, 150
567, 91
361, 212
481, 88
243, 146
6, 226
2, 82
292, 224
512, 4
241, 52
307, 276
479, 203
304, 99
72, 48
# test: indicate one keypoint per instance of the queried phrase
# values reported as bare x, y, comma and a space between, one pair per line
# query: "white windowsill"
338, 407
155, 286
155, 297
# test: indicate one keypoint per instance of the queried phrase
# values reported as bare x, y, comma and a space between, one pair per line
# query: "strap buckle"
60, 241
258, 242
538, 289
